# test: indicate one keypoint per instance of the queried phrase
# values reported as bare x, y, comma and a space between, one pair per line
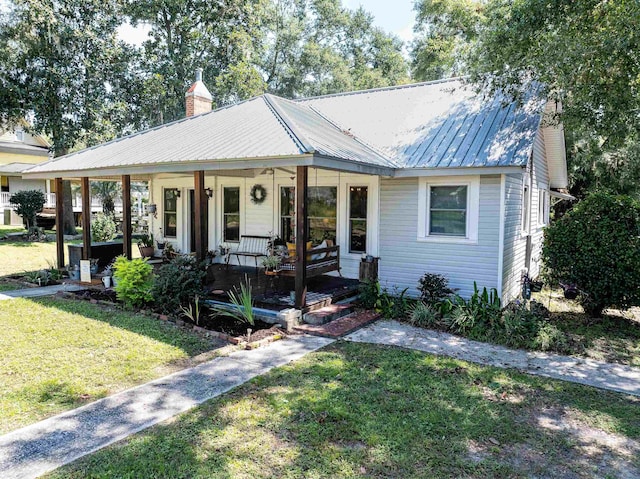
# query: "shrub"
369, 294
177, 282
434, 288
549, 337
103, 228
423, 315
134, 281
27, 204
596, 246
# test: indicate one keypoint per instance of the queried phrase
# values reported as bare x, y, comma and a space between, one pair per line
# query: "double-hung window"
287, 213
543, 205
322, 203
358, 219
448, 210
231, 213
526, 204
170, 212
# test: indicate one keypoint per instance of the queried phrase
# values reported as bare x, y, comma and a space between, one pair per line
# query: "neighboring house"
19, 151
429, 177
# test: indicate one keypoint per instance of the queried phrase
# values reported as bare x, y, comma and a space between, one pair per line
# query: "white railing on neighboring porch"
49, 200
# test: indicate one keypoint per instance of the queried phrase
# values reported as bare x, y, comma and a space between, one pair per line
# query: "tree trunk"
68, 220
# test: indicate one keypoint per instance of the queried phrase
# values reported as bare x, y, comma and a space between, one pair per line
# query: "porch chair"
251, 246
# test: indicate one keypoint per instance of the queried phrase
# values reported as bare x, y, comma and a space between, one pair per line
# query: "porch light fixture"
209, 192
178, 193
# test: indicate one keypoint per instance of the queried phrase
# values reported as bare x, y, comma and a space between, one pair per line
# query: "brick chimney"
198, 99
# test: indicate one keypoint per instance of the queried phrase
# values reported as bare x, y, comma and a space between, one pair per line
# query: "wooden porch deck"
275, 293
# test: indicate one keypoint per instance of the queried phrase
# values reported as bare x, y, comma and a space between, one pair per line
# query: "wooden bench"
315, 267
251, 246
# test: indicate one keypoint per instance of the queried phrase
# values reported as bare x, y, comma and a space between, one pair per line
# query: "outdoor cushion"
292, 248
319, 255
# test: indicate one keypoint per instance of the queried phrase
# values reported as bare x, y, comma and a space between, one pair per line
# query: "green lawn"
58, 354
613, 338
357, 410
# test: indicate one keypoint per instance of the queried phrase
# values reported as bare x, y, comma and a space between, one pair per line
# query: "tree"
319, 47
69, 71
27, 204
445, 31
596, 246
106, 192
219, 37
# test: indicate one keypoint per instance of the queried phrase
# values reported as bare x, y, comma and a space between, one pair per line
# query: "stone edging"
179, 323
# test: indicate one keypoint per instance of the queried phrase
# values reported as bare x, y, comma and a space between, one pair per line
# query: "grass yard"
58, 354
613, 338
357, 410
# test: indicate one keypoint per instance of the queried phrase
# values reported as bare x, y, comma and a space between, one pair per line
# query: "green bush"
27, 204
134, 280
423, 315
596, 246
549, 337
434, 288
177, 283
103, 228
369, 294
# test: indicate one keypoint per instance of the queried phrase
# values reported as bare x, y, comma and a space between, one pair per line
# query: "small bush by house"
134, 280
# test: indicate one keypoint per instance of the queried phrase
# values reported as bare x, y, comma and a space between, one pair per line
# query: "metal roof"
15, 167
440, 124
427, 125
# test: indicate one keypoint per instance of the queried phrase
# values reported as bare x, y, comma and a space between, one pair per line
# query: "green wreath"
258, 194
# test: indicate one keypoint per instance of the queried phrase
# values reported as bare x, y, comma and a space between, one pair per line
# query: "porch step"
327, 313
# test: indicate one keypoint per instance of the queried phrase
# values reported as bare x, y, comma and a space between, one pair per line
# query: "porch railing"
49, 200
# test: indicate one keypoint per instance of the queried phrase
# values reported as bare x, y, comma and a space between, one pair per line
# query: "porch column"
126, 216
302, 173
86, 218
201, 214
59, 220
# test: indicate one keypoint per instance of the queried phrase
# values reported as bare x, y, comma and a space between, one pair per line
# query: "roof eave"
457, 171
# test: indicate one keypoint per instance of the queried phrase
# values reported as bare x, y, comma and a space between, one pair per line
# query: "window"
543, 206
448, 210
170, 212
322, 218
358, 219
287, 213
231, 213
526, 204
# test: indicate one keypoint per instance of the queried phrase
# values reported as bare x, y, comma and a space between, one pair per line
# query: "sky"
395, 16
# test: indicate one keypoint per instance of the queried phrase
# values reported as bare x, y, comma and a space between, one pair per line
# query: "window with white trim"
526, 204
449, 209
543, 206
231, 214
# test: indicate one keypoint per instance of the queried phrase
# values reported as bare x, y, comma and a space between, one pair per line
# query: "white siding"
264, 218
404, 259
515, 240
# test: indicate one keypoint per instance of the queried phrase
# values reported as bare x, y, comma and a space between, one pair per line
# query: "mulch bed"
222, 327
341, 326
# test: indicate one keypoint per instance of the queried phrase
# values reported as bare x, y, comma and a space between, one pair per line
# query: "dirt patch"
564, 448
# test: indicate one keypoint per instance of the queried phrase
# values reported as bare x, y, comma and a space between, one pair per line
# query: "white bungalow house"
429, 177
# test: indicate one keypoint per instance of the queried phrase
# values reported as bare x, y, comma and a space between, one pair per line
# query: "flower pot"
74, 275
106, 280
146, 251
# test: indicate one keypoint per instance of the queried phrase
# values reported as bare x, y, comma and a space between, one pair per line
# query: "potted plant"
160, 241
271, 263
145, 244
